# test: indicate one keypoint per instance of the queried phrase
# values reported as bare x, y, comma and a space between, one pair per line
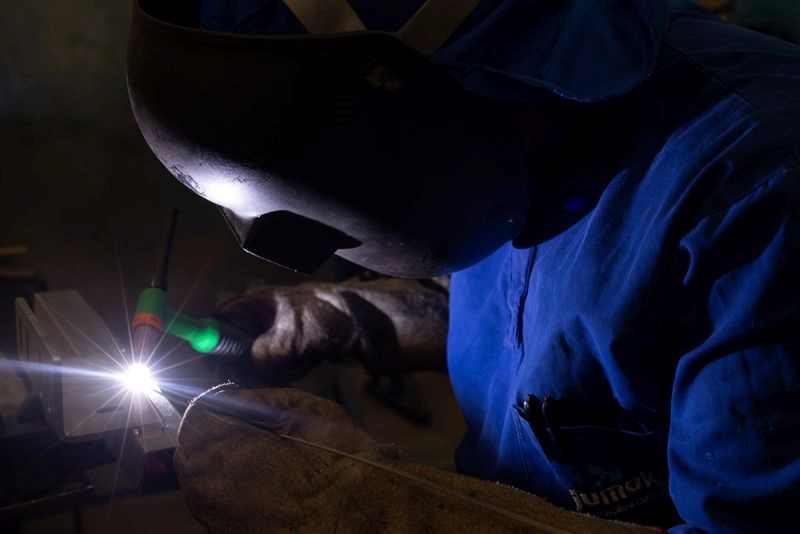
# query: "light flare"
139, 379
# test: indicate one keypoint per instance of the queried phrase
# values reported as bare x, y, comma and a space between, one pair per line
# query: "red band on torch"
150, 319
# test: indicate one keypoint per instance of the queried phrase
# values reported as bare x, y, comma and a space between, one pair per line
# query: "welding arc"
162, 263
544, 527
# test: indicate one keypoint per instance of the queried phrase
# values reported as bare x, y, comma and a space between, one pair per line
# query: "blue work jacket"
642, 362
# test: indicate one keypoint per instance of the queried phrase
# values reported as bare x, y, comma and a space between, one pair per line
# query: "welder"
614, 188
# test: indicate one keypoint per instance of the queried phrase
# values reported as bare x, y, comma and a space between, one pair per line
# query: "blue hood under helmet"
583, 50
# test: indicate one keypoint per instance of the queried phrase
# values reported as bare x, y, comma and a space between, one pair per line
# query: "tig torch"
153, 318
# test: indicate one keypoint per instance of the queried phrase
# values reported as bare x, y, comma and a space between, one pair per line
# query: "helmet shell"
350, 143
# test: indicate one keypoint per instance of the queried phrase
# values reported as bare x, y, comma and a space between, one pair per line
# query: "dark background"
80, 188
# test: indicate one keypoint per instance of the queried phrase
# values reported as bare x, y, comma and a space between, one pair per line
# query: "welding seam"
436, 486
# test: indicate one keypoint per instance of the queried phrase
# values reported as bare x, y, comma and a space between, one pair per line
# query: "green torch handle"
206, 336
203, 335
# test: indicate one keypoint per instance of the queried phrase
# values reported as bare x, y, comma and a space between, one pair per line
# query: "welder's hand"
239, 475
293, 330
388, 324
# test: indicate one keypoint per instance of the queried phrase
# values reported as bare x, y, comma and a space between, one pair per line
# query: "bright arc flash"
139, 379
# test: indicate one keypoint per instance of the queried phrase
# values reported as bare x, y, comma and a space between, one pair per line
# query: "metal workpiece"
77, 362
75, 367
145, 452
35, 349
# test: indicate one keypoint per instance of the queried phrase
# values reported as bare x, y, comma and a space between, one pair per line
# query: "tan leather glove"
389, 324
239, 474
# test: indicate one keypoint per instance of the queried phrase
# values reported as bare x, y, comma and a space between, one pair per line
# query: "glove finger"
252, 315
292, 412
231, 402
273, 358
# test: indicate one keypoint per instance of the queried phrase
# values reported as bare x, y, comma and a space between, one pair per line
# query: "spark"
139, 379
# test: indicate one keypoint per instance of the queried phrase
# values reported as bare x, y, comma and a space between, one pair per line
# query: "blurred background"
83, 204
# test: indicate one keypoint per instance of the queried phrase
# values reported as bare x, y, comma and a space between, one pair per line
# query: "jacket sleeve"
734, 443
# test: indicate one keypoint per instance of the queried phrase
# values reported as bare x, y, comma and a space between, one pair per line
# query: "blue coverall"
661, 331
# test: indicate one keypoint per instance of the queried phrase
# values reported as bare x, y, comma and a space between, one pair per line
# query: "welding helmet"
397, 147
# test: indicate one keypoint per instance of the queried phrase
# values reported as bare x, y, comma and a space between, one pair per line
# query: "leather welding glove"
389, 324
242, 471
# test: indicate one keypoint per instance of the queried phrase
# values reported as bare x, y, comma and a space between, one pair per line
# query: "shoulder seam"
767, 119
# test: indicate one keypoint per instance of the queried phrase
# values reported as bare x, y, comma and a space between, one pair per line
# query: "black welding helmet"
348, 140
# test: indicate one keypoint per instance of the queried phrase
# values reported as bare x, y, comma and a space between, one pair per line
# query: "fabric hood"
583, 50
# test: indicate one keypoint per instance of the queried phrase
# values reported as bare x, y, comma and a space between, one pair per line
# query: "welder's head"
385, 133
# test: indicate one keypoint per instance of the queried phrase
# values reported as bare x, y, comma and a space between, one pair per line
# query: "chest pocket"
605, 464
